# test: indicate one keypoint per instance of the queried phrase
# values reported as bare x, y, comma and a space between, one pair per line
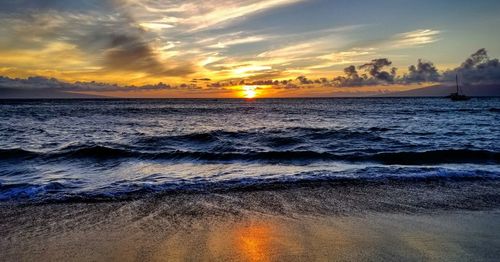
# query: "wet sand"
392, 221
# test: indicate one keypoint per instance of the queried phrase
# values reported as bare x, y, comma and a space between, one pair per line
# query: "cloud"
237, 41
211, 14
375, 69
38, 82
352, 79
242, 70
177, 39
476, 60
424, 71
146, 41
415, 38
479, 68
309, 43
131, 53
111, 42
355, 55
292, 51
155, 25
316, 53
131, 50
199, 15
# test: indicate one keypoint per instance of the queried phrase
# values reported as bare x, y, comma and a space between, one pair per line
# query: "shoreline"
326, 221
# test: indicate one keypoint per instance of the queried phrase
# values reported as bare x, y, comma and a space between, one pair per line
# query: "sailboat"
457, 96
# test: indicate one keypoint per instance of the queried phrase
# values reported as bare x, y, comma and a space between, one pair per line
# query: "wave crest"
396, 158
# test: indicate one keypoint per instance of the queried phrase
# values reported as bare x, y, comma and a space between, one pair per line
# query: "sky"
234, 48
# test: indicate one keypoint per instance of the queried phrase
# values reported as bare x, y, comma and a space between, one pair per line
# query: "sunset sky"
200, 46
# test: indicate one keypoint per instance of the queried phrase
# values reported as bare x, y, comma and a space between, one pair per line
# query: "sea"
119, 149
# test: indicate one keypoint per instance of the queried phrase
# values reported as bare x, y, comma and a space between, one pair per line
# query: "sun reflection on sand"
254, 242
376, 237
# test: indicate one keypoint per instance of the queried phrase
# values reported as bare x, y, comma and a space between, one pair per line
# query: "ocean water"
66, 150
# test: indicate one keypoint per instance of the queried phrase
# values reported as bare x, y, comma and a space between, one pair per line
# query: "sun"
249, 92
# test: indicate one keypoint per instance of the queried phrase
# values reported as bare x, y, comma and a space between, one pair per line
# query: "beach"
329, 221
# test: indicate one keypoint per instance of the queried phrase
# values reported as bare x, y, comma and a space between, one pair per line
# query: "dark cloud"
351, 72
304, 80
376, 76
375, 69
103, 30
352, 78
132, 53
424, 71
479, 68
475, 60
126, 47
37, 83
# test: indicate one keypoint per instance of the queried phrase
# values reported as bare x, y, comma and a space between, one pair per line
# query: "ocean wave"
53, 190
129, 190
439, 157
391, 158
284, 133
13, 153
108, 148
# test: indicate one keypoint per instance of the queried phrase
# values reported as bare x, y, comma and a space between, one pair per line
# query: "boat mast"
456, 79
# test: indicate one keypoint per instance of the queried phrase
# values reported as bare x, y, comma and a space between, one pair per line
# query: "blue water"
111, 149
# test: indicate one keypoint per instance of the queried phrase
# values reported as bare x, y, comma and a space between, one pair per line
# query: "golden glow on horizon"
264, 91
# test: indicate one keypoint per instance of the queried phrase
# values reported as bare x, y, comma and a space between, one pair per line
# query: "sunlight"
249, 92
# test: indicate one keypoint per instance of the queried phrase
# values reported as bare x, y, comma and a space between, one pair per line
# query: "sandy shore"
390, 221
